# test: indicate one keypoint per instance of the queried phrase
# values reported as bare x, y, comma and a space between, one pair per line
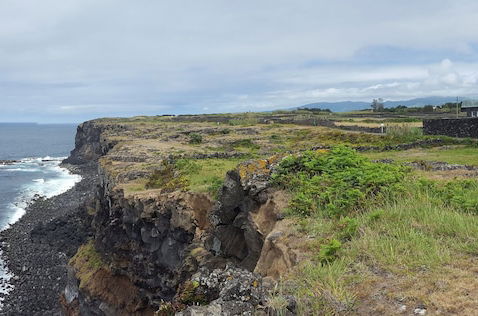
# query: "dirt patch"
451, 291
117, 291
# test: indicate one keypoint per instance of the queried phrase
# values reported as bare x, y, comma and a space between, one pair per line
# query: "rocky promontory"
170, 248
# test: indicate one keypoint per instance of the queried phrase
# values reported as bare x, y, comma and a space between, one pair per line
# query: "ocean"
39, 150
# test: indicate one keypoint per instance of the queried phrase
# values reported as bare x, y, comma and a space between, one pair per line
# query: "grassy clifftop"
375, 237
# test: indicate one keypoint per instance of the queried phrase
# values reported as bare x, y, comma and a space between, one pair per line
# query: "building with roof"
470, 107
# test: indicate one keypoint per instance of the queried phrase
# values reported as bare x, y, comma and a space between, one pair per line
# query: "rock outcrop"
90, 144
162, 247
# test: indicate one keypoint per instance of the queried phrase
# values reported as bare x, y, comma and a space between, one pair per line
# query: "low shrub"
461, 194
215, 183
195, 138
335, 183
328, 252
168, 177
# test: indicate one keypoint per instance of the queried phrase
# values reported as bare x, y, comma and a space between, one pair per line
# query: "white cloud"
226, 55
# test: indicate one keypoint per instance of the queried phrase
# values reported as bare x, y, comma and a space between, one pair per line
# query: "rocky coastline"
36, 249
169, 251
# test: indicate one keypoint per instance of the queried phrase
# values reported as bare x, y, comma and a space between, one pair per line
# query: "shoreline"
37, 247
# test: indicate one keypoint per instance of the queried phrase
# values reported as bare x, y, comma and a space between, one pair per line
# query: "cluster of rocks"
280, 119
8, 162
460, 127
229, 291
439, 166
432, 165
36, 249
405, 146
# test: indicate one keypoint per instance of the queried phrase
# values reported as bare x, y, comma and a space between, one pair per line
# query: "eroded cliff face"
159, 251
91, 143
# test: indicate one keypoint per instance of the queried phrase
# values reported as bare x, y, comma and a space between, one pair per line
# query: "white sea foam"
57, 180
54, 180
22, 169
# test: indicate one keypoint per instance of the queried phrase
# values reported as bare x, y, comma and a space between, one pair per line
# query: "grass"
208, 178
461, 154
86, 262
404, 132
414, 232
414, 236
352, 252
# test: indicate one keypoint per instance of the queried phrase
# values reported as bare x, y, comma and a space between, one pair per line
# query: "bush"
335, 183
195, 138
328, 252
168, 177
462, 195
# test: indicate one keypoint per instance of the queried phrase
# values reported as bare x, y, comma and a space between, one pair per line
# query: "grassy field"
377, 239
466, 155
393, 251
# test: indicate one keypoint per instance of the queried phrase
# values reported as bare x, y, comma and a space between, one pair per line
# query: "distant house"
470, 107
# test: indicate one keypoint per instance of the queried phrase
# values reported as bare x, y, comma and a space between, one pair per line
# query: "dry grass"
411, 251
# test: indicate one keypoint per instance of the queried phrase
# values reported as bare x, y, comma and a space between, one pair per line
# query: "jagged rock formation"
89, 143
153, 243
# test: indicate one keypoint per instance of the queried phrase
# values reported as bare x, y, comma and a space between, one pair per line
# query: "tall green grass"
404, 132
422, 228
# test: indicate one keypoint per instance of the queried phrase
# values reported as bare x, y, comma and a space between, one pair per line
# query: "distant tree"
377, 105
451, 106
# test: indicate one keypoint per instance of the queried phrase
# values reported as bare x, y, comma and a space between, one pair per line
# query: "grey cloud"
185, 56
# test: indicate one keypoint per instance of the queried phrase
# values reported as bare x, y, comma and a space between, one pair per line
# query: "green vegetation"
195, 138
335, 183
367, 217
404, 132
210, 173
190, 293
467, 155
245, 143
196, 175
86, 262
168, 178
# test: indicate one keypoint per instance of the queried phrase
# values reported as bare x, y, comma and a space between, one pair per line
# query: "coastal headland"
300, 213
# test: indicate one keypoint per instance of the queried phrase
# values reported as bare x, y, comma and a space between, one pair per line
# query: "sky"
73, 60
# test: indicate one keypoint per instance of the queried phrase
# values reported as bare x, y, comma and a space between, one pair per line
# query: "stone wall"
463, 127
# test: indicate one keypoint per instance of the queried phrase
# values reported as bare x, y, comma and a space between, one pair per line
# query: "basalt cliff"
160, 246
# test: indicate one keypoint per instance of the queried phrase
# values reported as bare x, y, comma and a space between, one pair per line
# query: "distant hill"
344, 106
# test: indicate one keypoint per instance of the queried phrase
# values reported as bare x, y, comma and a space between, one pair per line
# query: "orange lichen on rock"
253, 167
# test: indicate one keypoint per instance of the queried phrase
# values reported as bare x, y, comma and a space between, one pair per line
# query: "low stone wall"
283, 119
463, 127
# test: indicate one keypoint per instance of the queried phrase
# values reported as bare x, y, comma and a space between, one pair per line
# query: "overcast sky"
72, 60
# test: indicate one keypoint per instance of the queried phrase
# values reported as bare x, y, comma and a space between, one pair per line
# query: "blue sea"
39, 150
